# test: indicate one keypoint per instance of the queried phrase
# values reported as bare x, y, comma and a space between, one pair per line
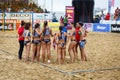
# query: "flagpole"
51, 6
44, 8
44, 4
4, 16
109, 6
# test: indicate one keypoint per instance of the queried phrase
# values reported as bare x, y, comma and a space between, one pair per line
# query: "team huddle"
41, 39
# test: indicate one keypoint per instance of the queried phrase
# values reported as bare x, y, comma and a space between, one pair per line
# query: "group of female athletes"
42, 38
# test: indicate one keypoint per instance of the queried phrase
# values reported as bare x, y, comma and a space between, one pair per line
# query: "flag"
112, 2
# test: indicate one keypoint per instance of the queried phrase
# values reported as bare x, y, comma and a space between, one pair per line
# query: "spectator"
107, 17
117, 14
65, 20
61, 19
102, 16
117, 11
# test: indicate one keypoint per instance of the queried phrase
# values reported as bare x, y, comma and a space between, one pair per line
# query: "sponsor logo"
115, 28
101, 27
20, 15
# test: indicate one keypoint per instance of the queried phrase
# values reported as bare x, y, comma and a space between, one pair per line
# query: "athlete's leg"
48, 51
43, 51
34, 46
38, 52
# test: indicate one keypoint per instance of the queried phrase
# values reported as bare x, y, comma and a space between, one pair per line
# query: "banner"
115, 28
112, 3
88, 26
53, 25
70, 15
101, 27
20, 16
42, 16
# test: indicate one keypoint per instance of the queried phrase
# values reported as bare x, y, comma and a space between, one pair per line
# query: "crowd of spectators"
108, 16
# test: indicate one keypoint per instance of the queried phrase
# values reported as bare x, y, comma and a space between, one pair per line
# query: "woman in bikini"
61, 46
36, 42
27, 40
80, 40
46, 41
72, 45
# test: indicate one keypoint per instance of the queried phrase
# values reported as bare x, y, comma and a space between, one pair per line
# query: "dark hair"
29, 23
60, 28
72, 23
22, 23
80, 23
37, 25
45, 25
27, 26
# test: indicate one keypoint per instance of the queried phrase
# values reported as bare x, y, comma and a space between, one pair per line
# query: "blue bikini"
26, 42
47, 33
36, 35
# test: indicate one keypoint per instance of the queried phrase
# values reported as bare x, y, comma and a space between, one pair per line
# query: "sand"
102, 49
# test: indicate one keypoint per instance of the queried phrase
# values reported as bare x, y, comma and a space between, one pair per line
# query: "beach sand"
102, 49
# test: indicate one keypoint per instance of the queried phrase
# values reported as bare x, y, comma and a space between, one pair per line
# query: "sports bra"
47, 32
36, 34
62, 36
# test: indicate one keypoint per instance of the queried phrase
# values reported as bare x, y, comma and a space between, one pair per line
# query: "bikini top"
62, 36
36, 34
47, 32
25, 33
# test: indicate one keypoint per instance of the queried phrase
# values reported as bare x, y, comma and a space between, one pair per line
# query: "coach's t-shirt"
20, 33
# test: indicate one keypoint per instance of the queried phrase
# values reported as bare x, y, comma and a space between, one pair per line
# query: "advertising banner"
115, 28
20, 16
101, 27
88, 26
42, 16
37, 16
70, 15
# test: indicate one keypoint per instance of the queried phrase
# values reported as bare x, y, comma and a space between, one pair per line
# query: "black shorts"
36, 42
26, 42
46, 40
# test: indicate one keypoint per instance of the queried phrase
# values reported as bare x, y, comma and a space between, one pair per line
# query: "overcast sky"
59, 5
